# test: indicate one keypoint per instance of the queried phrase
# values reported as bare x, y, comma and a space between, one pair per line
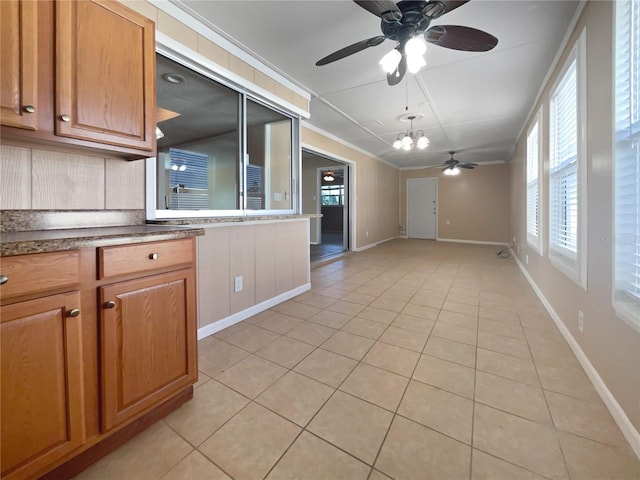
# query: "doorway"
422, 208
325, 190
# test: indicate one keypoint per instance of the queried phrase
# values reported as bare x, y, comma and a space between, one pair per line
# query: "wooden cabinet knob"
3, 279
73, 313
109, 304
29, 109
153, 256
65, 118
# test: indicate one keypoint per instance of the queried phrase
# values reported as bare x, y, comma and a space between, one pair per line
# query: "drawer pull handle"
3, 279
65, 118
73, 313
109, 304
29, 109
153, 256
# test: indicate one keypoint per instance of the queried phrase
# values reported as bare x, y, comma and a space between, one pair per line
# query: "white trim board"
250, 312
622, 420
375, 244
475, 242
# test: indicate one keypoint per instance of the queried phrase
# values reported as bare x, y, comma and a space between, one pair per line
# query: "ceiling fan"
452, 165
408, 20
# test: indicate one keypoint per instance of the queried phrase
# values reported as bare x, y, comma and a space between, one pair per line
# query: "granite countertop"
39, 231
247, 218
40, 241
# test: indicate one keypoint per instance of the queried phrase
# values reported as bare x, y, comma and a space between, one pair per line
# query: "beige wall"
612, 347
475, 202
34, 179
376, 190
271, 257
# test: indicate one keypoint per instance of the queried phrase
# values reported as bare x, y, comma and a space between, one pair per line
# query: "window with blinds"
533, 186
567, 222
627, 161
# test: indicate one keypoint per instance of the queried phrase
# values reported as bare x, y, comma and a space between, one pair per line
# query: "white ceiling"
473, 103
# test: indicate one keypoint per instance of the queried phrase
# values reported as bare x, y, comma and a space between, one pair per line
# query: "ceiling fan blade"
466, 165
460, 38
387, 10
452, 5
351, 49
396, 76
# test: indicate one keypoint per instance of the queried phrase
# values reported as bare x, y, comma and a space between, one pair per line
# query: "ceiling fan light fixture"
415, 63
328, 176
452, 171
390, 61
416, 46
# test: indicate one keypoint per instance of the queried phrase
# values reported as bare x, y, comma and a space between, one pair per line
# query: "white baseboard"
251, 311
476, 242
375, 244
628, 430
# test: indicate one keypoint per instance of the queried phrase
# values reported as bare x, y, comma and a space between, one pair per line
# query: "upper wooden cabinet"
105, 74
18, 57
95, 76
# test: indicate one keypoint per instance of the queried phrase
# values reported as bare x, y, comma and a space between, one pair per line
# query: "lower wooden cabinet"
147, 327
42, 383
78, 377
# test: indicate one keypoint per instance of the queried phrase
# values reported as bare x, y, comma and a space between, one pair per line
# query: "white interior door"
422, 208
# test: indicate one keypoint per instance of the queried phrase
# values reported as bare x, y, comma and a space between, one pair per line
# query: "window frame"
535, 241
627, 310
574, 268
202, 67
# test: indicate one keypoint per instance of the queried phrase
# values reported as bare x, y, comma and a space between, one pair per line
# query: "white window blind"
567, 167
563, 166
533, 186
627, 161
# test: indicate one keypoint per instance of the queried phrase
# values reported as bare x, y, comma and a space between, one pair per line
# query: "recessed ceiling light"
174, 78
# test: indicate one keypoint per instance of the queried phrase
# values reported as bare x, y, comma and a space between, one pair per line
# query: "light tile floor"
412, 360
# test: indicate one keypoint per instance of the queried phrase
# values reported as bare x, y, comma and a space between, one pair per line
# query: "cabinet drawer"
143, 257
28, 274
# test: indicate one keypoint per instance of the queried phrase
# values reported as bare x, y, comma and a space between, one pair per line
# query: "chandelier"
408, 140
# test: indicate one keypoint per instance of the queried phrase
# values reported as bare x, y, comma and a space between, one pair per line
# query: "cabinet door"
18, 82
42, 383
148, 343
105, 72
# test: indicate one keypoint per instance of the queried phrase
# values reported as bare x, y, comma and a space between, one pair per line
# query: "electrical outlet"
514, 239
526, 259
448, 222
518, 249
237, 284
366, 234
580, 321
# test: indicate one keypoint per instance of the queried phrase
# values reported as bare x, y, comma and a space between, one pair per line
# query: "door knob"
29, 109
109, 304
73, 313
3, 279
65, 118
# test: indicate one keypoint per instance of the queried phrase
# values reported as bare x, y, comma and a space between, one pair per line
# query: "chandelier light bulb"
397, 144
407, 142
390, 61
423, 142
